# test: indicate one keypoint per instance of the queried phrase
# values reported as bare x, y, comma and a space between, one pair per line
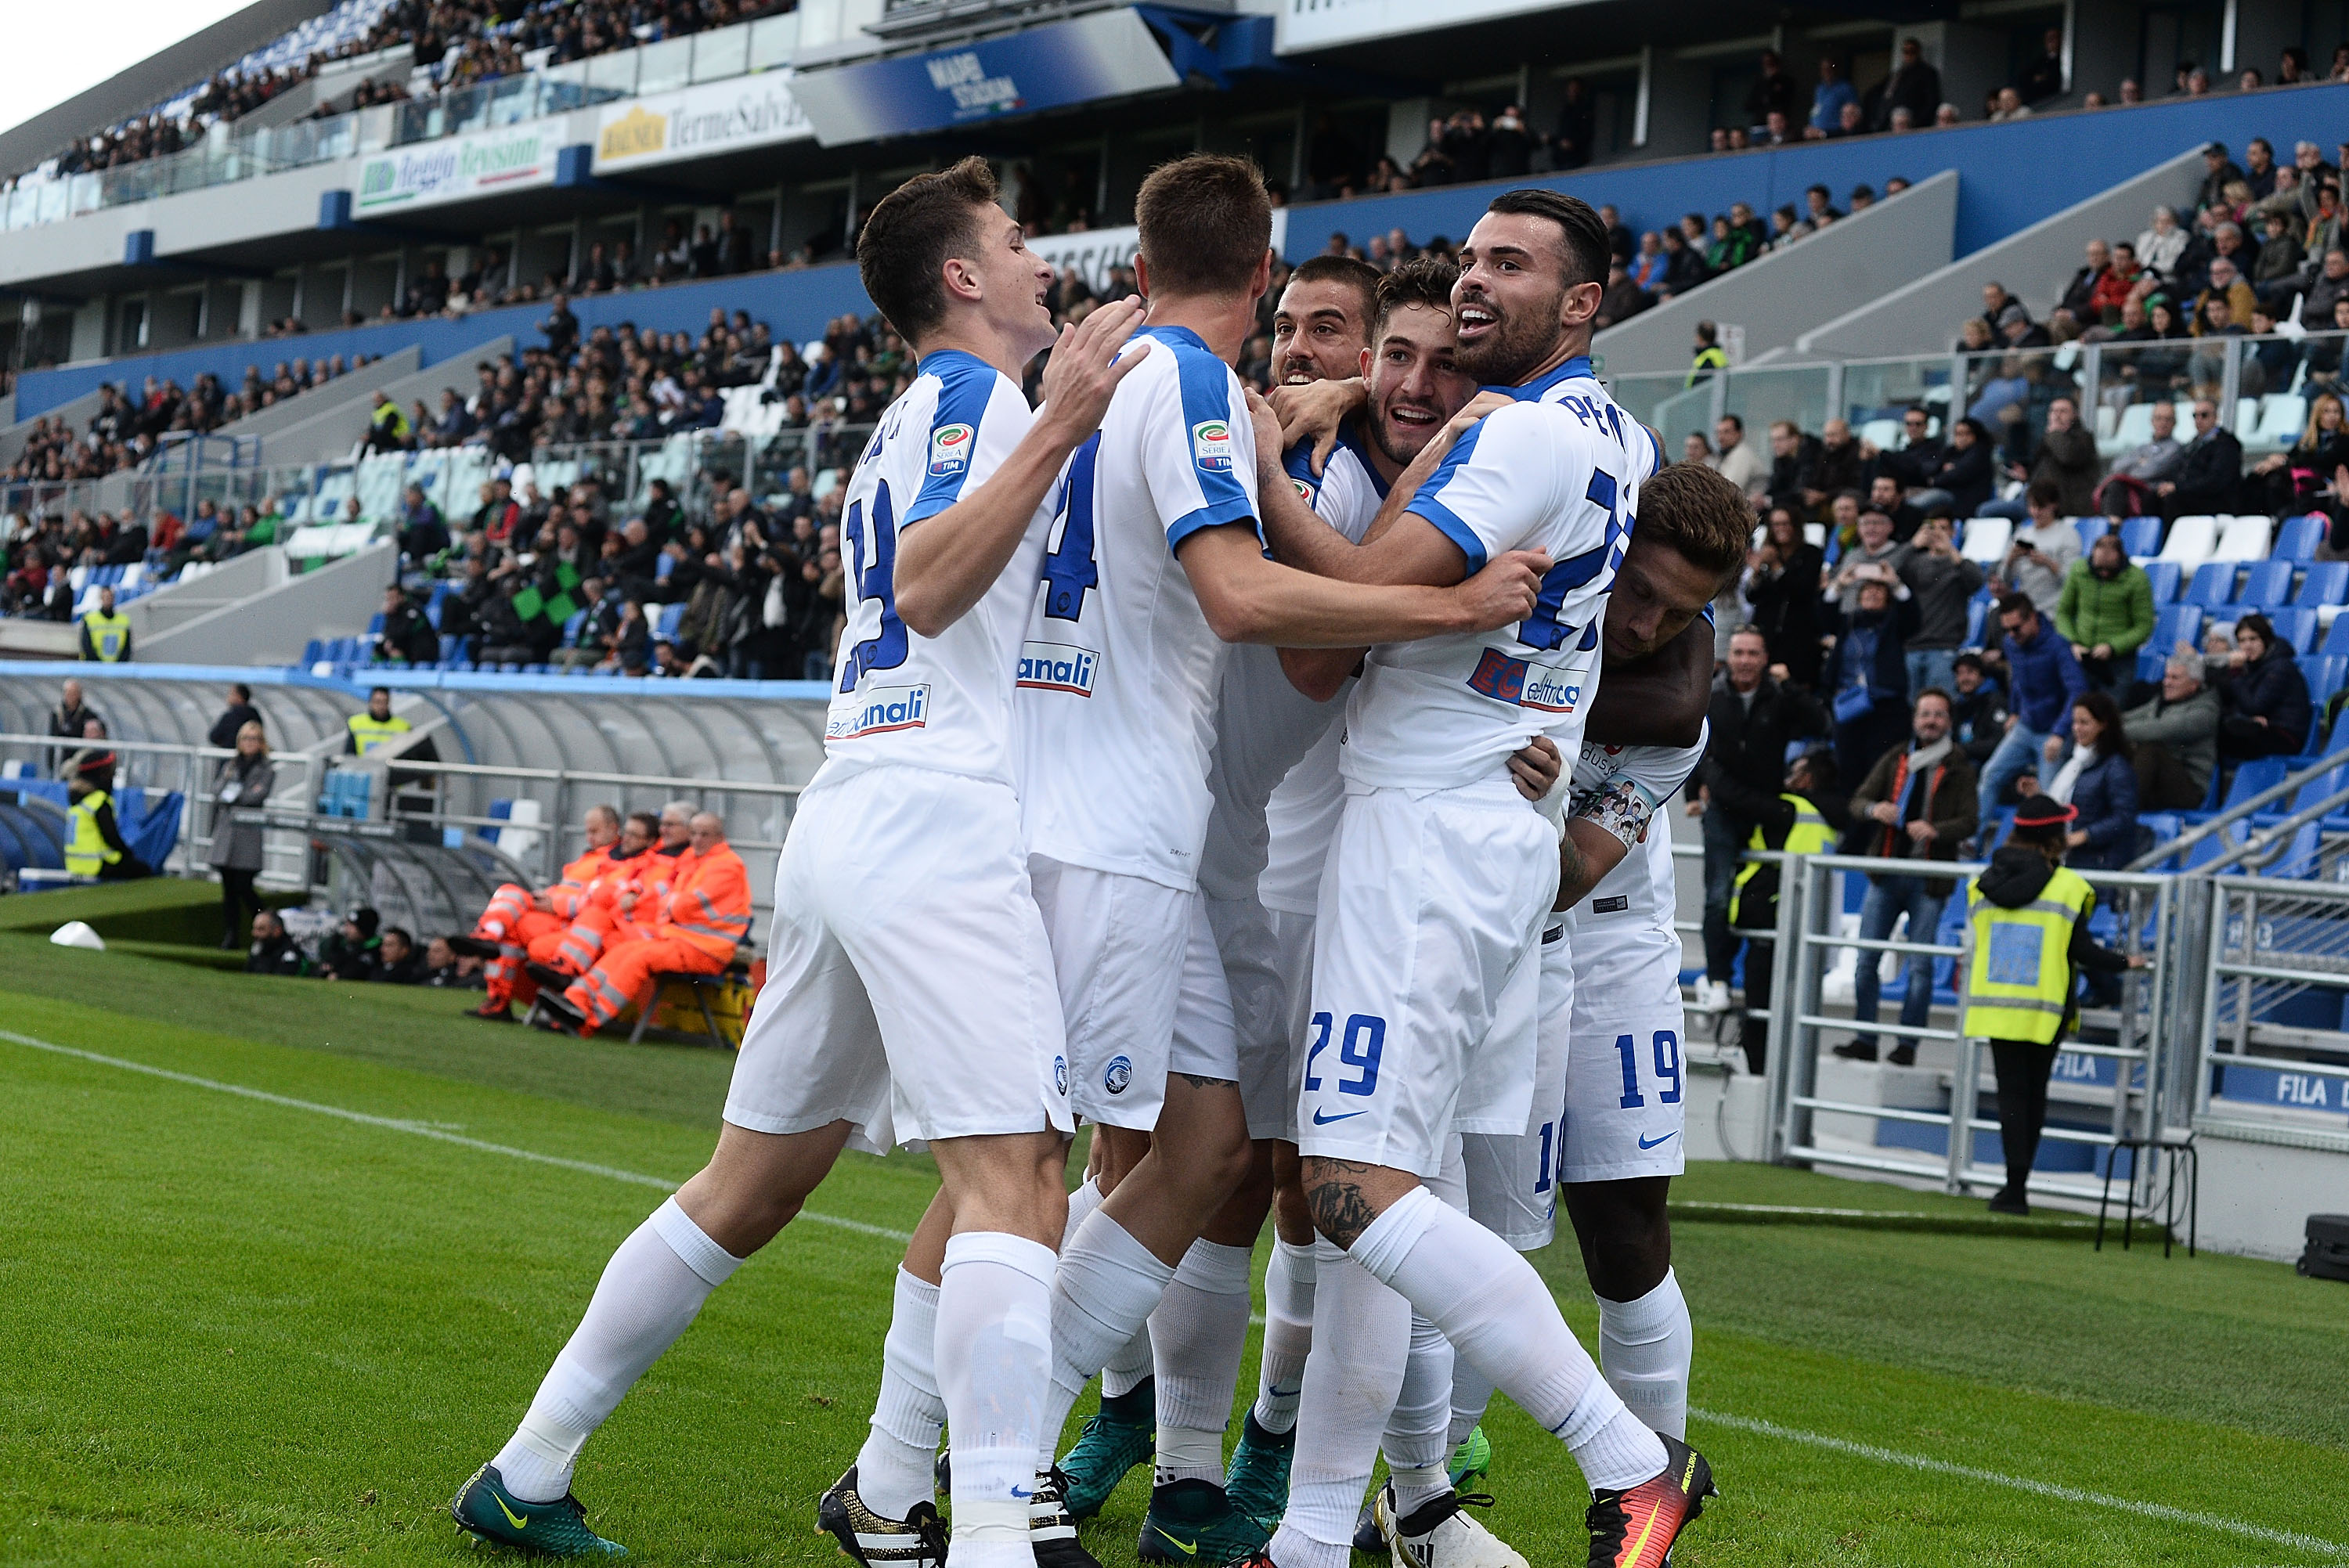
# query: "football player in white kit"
1441, 881
910, 993
1154, 564
1610, 1141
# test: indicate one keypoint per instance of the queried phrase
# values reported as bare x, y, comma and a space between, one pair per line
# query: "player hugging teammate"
1144, 848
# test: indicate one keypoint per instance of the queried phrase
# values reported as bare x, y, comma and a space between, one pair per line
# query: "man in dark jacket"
273, 952
1978, 709
1941, 583
2267, 708
1752, 718
239, 713
2211, 473
2044, 680
408, 635
1914, 85
1801, 816
352, 951
1917, 803
2175, 738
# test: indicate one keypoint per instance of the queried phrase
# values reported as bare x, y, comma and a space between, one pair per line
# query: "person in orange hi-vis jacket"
517, 916
624, 872
693, 931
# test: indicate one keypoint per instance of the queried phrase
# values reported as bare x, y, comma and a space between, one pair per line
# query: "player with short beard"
1438, 859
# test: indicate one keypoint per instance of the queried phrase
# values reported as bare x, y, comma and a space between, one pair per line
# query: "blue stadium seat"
375, 624
449, 646
2267, 584
2213, 585
312, 652
2164, 576
2252, 777
2296, 539
662, 568
2176, 624
1977, 621
2324, 582
2090, 529
2297, 627
2323, 674
2141, 535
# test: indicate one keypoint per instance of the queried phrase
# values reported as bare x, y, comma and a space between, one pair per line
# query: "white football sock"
1415, 1442
1082, 1204
1471, 1391
994, 1361
1644, 1348
1199, 1334
1288, 1334
896, 1468
1103, 1294
648, 1296
1364, 1329
1493, 1307
1134, 1362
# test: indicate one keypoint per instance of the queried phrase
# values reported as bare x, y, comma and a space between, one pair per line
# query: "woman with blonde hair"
2293, 477
243, 782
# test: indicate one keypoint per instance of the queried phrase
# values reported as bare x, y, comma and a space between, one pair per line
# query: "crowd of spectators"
127, 430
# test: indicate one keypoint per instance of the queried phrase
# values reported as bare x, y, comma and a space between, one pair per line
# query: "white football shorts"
1133, 1017
1625, 1108
1250, 946
909, 985
1513, 1179
1427, 978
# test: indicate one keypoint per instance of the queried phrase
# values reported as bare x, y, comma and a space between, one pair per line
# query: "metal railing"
1822, 1128
2276, 966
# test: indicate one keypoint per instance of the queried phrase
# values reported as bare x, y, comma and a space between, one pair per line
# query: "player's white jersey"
1301, 819
1558, 472
1119, 676
941, 702
1264, 726
1629, 914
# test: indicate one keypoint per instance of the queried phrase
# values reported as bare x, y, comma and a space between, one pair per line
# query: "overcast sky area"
59, 47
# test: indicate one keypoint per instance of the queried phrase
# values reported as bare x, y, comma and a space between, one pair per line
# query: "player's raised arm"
1247, 598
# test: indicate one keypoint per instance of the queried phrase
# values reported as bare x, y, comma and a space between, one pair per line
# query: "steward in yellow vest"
2027, 940
94, 845
376, 726
105, 632
1802, 820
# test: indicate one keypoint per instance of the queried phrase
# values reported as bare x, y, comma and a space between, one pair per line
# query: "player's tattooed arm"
1658, 700
1586, 851
1201, 1081
1341, 1209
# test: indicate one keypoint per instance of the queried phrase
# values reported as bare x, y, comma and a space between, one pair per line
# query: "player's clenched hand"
1534, 769
1085, 367
1504, 593
1315, 410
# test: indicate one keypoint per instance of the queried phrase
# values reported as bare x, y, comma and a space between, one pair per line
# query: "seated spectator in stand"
2176, 737
1840, 465
2105, 613
422, 533
1650, 265
1623, 299
273, 952
2098, 781
1794, 464
1871, 557
2265, 696
398, 964
1977, 709
2043, 682
2043, 553
2128, 490
2211, 474
2161, 243
2276, 275
694, 930
517, 915
1961, 470
408, 637
1943, 583
1735, 459
2066, 458
2294, 480
584, 647
352, 951
1871, 671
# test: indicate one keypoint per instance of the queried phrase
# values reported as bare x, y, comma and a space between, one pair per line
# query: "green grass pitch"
235, 1328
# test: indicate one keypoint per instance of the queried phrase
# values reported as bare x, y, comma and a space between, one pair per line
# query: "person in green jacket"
2105, 613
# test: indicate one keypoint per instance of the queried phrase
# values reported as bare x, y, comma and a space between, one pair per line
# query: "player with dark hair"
928, 1014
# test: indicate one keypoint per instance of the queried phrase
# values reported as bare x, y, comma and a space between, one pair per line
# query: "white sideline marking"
421, 1129
1743, 1423
2161, 1511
